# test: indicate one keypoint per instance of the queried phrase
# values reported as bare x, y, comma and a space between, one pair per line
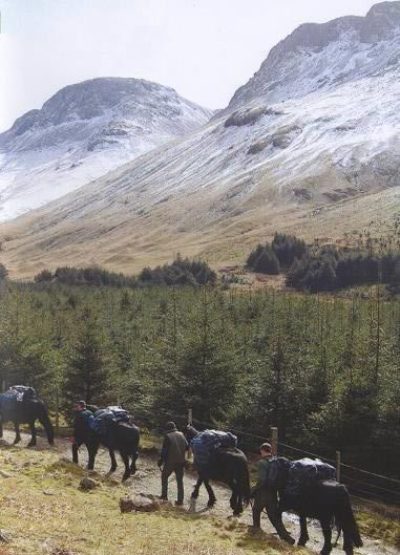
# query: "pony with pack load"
109, 427
216, 457
21, 405
310, 492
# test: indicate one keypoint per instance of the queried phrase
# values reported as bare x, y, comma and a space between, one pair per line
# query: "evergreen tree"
254, 255
203, 379
86, 375
44, 275
263, 260
287, 248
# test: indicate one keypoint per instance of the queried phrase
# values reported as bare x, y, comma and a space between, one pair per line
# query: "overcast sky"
205, 49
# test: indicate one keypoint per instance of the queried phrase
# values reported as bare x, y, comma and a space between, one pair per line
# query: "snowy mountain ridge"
323, 56
82, 132
307, 140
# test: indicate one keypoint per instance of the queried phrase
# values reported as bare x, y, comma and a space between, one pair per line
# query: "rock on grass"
141, 503
87, 484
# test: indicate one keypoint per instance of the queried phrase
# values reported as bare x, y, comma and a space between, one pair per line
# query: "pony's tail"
344, 517
48, 426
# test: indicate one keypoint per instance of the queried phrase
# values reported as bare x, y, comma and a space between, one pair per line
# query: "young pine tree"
86, 374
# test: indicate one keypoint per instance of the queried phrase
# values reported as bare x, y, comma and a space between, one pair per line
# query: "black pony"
25, 410
327, 501
122, 437
228, 465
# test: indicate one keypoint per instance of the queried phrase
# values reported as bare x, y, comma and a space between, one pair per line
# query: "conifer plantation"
324, 370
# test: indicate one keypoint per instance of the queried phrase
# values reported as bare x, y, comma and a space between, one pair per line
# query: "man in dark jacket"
173, 460
263, 497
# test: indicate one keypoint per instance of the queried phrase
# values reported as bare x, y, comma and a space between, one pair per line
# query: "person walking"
172, 459
259, 492
264, 498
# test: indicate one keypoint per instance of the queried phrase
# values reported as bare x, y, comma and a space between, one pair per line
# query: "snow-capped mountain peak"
324, 55
315, 134
82, 132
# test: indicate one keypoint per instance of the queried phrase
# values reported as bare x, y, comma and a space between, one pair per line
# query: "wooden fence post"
338, 463
274, 441
190, 421
57, 411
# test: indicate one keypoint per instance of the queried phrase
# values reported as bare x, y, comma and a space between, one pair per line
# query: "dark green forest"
316, 268
181, 271
325, 370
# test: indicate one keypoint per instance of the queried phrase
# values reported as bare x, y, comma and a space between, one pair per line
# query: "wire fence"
363, 484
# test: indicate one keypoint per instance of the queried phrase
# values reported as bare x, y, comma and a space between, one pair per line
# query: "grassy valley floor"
44, 512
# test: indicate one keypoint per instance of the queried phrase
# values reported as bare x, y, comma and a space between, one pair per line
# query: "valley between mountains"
310, 145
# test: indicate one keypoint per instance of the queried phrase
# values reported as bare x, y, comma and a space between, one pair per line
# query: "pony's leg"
327, 531
211, 495
195, 495
348, 545
32, 442
239, 501
304, 537
75, 449
133, 463
1, 427
195, 492
275, 516
125, 458
113, 461
17, 433
239, 498
256, 516
92, 451
234, 501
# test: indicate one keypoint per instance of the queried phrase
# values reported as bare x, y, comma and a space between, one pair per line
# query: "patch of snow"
83, 132
348, 129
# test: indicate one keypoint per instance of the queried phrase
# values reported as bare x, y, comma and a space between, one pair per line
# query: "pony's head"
190, 432
277, 473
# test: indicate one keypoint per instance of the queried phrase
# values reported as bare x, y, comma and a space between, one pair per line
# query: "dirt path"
148, 480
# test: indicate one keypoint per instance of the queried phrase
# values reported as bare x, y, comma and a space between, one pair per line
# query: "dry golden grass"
122, 240
45, 513
381, 522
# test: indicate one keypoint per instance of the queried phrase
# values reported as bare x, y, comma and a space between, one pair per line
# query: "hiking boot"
178, 503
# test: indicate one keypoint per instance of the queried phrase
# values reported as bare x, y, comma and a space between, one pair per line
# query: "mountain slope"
317, 160
323, 56
82, 132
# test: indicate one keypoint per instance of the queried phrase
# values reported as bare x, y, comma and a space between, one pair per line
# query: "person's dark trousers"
165, 474
260, 502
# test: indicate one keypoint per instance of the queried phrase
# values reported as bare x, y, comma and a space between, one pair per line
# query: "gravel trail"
148, 480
